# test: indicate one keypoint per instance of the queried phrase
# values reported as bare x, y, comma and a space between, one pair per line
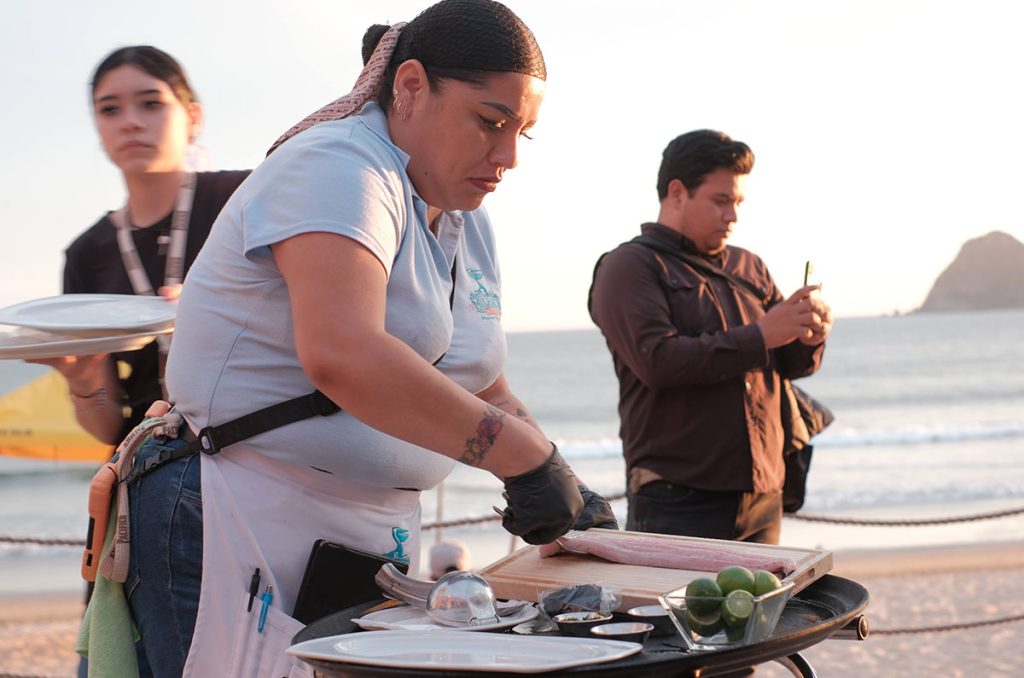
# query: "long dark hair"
153, 61
460, 40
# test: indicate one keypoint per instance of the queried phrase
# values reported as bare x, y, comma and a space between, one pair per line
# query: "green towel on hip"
107, 635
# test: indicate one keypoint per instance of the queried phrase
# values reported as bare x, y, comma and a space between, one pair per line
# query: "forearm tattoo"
520, 412
486, 433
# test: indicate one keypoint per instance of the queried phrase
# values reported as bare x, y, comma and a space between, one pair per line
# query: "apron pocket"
262, 655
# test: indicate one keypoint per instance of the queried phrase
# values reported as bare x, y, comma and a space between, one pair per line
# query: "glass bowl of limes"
736, 607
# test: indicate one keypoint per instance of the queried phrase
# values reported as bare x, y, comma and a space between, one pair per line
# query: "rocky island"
988, 273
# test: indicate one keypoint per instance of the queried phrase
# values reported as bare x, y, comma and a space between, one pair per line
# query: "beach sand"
910, 588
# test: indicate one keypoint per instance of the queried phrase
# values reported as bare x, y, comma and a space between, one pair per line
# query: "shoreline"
924, 560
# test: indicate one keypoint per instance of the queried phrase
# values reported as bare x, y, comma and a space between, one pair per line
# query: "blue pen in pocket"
266, 598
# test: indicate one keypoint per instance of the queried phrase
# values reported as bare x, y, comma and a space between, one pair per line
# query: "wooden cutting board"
524, 574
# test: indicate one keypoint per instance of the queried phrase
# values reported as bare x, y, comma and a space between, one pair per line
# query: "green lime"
737, 608
735, 578
703, 595
704, 624
735, 634
764, 582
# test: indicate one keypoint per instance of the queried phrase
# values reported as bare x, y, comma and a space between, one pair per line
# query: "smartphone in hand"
808, 273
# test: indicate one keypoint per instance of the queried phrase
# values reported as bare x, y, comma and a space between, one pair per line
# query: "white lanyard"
174, 269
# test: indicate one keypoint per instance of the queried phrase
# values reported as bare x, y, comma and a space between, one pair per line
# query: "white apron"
258, 512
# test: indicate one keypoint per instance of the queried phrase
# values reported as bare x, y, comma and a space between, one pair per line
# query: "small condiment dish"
634, 632
579, 623
656, 616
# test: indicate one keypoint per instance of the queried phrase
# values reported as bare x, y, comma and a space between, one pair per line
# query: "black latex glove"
597, 512
543, 503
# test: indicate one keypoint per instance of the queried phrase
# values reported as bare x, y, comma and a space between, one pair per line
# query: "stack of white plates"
82, 324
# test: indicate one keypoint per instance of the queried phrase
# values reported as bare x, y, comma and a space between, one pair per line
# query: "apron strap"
213, 439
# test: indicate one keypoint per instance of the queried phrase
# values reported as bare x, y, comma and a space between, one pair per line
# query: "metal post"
440, 513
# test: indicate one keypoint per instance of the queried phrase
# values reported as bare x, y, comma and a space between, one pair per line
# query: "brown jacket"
699, 394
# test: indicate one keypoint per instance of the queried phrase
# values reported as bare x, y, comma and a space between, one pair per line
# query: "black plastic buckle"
207, 443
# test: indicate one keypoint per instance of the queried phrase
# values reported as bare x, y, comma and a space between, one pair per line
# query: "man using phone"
700, 338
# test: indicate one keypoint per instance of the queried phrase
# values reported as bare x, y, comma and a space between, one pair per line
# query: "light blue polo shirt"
234, 350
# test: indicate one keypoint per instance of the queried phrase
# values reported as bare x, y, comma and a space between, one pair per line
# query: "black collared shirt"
699, 393
93, 265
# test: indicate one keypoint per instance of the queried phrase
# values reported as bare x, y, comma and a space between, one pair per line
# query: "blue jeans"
166, 563
665, 508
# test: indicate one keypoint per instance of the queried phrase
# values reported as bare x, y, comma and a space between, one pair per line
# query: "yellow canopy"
37, 421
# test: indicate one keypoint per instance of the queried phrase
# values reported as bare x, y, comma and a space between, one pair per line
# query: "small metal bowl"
580, 623
634, 632
656, 616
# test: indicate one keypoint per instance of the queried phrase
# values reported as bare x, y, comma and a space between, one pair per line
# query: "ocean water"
929, 423
929, 408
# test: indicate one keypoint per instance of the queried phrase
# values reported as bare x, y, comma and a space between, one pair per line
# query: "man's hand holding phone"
821, 324
804, 316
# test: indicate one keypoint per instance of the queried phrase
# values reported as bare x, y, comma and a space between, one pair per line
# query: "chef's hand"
543, 504
597, 512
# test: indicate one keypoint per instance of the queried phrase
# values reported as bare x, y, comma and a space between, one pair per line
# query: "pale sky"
886, 132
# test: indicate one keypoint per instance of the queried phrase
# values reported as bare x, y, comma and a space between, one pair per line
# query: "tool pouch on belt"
114, 565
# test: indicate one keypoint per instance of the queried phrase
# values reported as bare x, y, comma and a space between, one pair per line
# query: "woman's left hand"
543, 503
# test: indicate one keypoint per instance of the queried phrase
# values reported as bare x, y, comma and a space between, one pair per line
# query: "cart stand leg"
797, 665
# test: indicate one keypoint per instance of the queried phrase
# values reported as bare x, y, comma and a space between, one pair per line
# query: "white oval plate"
91, 313
406, 617
454, 651
18, 343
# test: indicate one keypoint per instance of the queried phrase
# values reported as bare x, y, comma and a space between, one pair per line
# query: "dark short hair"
153, 61
692, 156
461, 40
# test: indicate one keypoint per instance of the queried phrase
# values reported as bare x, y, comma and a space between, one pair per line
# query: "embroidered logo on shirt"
487, 303
400, 536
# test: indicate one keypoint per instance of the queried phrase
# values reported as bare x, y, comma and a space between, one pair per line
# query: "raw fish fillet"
664, 553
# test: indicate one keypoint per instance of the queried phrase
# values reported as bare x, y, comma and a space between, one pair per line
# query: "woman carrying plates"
147, 116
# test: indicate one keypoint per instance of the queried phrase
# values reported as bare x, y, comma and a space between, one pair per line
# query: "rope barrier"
881, 522
948, 627
459, 522
7, 539
480, 520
